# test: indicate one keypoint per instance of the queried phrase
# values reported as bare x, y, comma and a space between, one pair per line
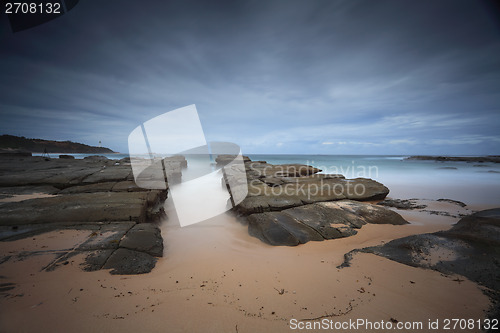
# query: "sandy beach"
214, 277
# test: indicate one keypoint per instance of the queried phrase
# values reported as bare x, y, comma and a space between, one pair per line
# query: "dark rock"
259, 225
144, 237
108, 236
104, 240
95, 260
127, 186
482, 227
401, 204
68, 157
459, 203
156, 174
60, 173
90, 188
270, 231
125, 262
447, 168
83, 207
364, 189
260, 204
329, 223
315, 222
116, 173
297, 191
369, 213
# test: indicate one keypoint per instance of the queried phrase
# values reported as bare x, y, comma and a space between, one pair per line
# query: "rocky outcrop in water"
293, 204
278, 187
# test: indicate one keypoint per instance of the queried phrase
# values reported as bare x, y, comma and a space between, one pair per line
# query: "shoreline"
230, 281
204, 266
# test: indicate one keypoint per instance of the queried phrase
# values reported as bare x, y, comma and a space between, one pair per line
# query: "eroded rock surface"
84, 207
278, 187
317, 222
293, 204
94, 194
142, 242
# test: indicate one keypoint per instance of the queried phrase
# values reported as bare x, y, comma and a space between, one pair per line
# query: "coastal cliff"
12, 142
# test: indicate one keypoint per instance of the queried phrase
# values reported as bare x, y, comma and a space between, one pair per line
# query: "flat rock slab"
61, 173
293, 192
56, 177
125, 261
276, 228
90, 188
82, 207
144, 237
114, 186
317, 222
108, 236
107, 245
116, 173
96, 259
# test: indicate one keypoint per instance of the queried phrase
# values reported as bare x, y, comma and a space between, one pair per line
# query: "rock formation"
94, 194
292, 204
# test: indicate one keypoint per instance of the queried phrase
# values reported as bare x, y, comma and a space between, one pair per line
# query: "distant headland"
20, 143
480, 159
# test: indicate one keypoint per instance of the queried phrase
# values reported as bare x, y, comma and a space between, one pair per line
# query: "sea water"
470, 182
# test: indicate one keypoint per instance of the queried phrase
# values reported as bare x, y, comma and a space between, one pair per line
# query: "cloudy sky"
317, 77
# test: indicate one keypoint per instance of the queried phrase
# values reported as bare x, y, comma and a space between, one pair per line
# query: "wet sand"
214, 277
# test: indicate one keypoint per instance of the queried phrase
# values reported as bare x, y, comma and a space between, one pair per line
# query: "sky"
396, 77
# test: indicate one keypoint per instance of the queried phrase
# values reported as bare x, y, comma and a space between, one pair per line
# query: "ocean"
476, 184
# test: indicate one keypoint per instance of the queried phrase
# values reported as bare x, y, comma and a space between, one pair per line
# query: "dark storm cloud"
272, 76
